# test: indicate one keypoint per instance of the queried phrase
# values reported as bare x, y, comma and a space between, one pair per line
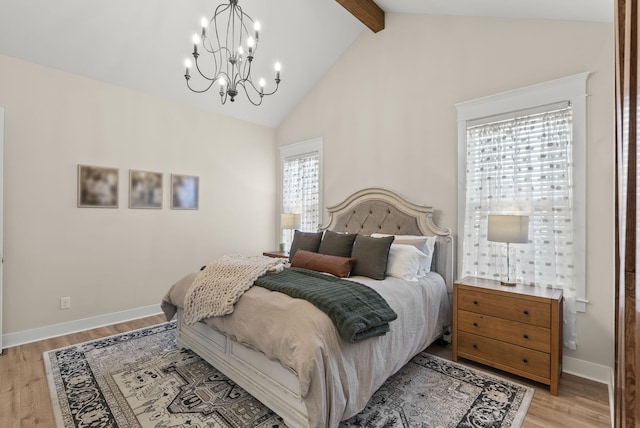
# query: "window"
301, 168
523, 152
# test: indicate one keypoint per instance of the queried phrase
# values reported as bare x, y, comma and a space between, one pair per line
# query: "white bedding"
304, 340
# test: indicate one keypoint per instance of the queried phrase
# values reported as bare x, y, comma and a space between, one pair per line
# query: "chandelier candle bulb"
204, 24
256, 27
196, 40
187, 65
250, 43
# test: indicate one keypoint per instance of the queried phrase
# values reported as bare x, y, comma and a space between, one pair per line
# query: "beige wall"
386, 112
110, 260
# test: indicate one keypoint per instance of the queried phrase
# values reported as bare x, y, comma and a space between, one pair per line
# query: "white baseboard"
598, 372
20, 338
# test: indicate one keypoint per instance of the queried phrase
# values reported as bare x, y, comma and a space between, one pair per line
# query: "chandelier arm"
206, 44
204, 76
249, 96
272, 92
250, 82
221, 49
257, 90
200, 91
241, 15
231, 30
246, 74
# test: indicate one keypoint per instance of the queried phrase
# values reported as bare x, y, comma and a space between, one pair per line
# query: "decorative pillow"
406, 262
309, 241
336, 244
338, 266
426, 244
371, 256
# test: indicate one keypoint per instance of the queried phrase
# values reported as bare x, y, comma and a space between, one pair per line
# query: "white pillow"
426, 244
406, 262
417, 241
428, 250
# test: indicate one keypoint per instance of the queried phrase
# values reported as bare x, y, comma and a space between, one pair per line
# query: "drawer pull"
475, 324
526, 336
475, 302
475, 346
524, 360
526, 312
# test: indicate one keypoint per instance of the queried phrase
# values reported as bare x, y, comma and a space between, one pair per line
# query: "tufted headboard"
376, 210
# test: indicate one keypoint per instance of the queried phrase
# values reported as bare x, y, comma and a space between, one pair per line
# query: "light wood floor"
24, 394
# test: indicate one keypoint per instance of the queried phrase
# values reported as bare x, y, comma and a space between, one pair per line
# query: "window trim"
571, 88
301, 148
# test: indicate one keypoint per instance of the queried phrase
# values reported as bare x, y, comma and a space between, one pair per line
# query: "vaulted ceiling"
142, 44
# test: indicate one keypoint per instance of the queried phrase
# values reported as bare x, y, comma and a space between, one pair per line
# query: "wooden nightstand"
277, 253
517, 329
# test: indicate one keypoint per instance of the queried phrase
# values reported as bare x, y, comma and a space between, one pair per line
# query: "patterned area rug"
140, 379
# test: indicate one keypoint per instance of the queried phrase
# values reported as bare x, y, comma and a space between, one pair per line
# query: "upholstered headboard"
382, 211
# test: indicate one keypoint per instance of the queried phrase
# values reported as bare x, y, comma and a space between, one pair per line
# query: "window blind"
301, 190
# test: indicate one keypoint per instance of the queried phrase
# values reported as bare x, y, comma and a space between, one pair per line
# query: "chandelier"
228, 65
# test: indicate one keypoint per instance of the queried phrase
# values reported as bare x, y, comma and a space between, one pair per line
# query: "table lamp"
512, 229
291, 222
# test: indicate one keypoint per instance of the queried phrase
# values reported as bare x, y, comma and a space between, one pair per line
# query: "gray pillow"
336, 244
309, 241
371, 256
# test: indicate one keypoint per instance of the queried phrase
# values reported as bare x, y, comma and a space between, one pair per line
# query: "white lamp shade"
508, 228
290, 221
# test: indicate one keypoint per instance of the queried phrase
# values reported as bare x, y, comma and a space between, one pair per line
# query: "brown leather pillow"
338, 266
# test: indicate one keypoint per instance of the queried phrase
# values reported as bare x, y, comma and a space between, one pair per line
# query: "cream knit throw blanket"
222, 282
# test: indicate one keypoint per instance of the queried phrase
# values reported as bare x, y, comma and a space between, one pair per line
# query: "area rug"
140, 379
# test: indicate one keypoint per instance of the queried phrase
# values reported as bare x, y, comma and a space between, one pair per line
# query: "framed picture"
145, 189
184, 192
97, 187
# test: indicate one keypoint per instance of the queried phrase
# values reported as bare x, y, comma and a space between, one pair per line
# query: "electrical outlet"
65, 302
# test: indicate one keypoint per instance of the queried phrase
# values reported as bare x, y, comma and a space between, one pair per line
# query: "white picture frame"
184, 192
97, 187
145, 189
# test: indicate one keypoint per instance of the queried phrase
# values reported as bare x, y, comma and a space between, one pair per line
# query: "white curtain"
301, 191
524, 165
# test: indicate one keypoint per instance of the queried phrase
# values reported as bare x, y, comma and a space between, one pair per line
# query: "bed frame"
367, 211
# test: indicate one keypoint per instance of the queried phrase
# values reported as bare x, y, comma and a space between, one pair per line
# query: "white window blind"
522, 166
301, 184
522, 152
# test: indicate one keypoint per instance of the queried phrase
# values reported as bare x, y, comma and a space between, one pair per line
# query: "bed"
287, 354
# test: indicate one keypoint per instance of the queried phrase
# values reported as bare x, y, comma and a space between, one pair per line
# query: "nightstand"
517, 329
277, 253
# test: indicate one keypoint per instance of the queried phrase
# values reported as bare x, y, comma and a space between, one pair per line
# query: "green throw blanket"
357, 311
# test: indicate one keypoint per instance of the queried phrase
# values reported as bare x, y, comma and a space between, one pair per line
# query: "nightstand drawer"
496, 353
511, 308
529, 336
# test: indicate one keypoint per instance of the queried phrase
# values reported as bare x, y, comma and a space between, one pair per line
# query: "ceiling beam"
367, 11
